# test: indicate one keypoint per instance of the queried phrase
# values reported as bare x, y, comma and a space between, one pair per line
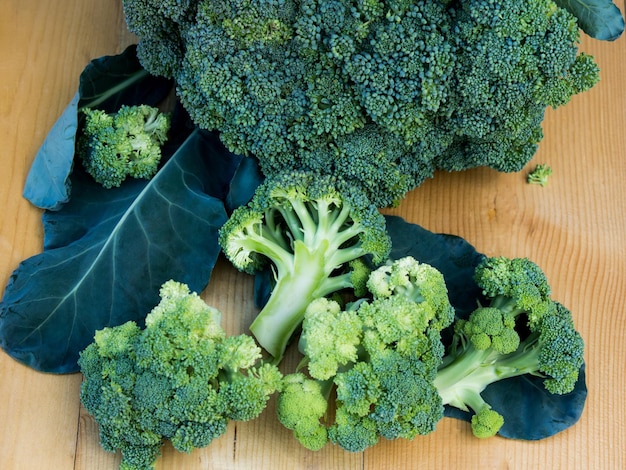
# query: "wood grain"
574, 228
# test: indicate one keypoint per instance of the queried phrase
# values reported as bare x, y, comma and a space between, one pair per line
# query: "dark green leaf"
600, 19
109, 251
47, 184
106, 83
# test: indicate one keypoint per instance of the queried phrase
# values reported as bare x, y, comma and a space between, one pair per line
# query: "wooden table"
575, 228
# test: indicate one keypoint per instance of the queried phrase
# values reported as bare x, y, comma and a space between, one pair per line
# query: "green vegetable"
378, 93
181, 378
379, 355
385, 360
521, 331
540, 174
127, 143
309, 228
106, 83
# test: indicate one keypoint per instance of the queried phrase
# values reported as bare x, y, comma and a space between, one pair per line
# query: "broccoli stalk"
310, 229
522, 331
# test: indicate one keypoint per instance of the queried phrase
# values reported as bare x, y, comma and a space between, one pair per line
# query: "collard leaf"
111, 81
47, 184
600, 19
106, 83
111, 251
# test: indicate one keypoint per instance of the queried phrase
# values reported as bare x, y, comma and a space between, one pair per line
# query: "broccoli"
378, 93
539, 175
126, 143
180, 378
310, 229
377, 358
382, 360
521, 331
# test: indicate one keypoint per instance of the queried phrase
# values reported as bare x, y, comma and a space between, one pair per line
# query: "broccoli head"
181, 378
521, 331
514, 59
126, 143
376, 359
308, 229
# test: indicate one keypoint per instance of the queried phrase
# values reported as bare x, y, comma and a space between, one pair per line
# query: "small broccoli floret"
490, 327
330, 338
301, 407
308, 228
522, 331
419, 282
486, 422
352, 432
539, 175
127, 143
181, 378
380, 356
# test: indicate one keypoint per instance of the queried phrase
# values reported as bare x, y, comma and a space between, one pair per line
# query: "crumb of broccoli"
539, 175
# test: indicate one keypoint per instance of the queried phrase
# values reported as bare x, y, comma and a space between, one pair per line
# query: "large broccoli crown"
181, 378
381, 93
303, 97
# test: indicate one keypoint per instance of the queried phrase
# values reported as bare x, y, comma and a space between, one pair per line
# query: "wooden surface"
575, 229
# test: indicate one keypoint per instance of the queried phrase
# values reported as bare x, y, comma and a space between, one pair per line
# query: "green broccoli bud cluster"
539, 175
127, 143
379, 93
181, 378
379, 356
521, 331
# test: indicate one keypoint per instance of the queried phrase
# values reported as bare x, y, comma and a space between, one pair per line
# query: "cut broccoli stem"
309, 229
461, 381
308, 278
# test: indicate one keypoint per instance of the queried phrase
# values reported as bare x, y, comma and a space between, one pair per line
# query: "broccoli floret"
522, 331
330, 337
301, 407
486, 422
379, 355
539, 175
307, 228
161, 25
126, 143
180, 378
